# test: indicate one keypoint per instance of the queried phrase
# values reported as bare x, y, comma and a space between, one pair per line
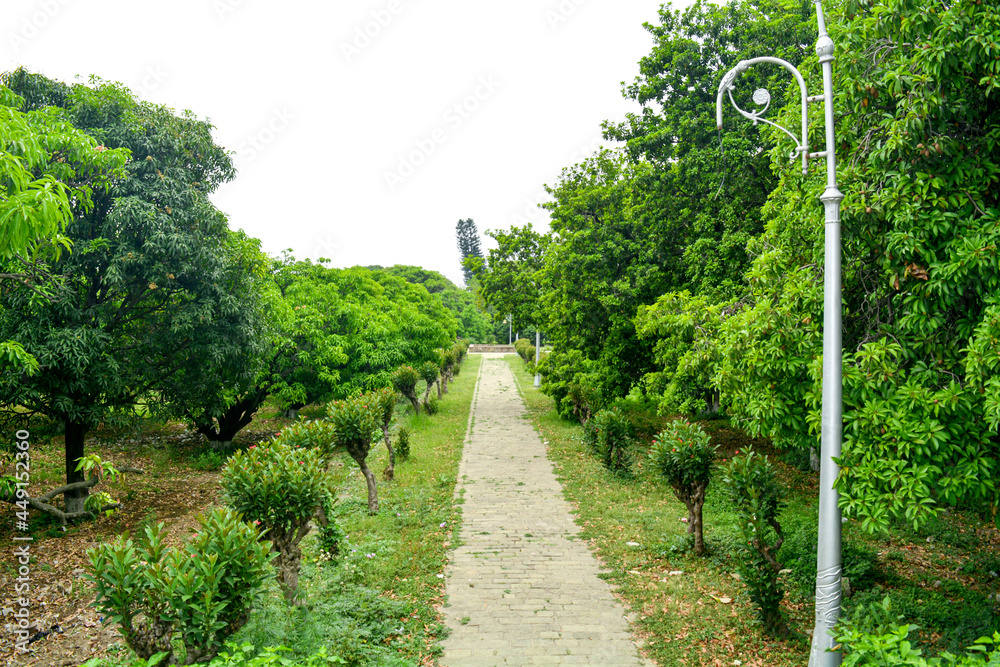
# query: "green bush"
198, 595
431, 407
403, 443
430, 372
330, 533
281, 487
609, 437
316, 433
404, 380
756, 495
683, 454
355, 424
385, 406
872, 638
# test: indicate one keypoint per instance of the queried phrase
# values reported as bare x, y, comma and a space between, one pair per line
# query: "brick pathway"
521, 590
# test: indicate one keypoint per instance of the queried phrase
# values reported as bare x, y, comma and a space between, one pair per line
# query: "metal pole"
510, 330
828, 564
538, 353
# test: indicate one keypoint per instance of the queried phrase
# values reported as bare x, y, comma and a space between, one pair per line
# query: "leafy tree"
918, 126
430, 371
508, 277
468, 244
146, 272
46, 164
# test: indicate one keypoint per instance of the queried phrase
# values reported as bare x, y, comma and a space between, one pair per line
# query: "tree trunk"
696, 524
438, 383
221, 445
370, 479
415, 402
76, 432
292, 413
391, 470
427, 392
814, 463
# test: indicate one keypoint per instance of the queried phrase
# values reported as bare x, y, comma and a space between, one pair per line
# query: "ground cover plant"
691, 610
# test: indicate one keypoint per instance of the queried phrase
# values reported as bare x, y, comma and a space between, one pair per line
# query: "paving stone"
535, 600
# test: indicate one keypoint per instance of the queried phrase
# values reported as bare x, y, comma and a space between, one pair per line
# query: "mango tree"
146, 273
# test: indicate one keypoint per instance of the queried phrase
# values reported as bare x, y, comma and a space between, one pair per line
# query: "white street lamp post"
828, 565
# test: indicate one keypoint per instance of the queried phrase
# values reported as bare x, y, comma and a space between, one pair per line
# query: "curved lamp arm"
763, 98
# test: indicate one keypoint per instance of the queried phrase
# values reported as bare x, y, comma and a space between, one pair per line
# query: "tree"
509, 276
468, 244
683, 454
473, 324
918, 125
46, 164
145, 274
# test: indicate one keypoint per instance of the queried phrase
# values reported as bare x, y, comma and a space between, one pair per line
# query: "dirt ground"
66, 630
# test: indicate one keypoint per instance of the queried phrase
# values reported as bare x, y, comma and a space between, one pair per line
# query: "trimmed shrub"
404, 380
609, 437
385, 403
683, 454
199, 594
280, 487
315, 433
355, 422
756, 495
430, 372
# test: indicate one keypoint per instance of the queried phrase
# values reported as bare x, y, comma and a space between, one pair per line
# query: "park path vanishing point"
521, 590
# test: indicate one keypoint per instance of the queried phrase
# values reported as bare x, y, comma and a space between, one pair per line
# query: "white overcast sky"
363, 131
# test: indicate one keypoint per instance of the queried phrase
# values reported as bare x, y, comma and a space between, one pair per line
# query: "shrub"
330, 533
430, 372
315, 433
355, 421
404, 380
609, 436
756, 497
403, 443
683, 454
281, 487
199, 595
871, 638
431, 407
447, 365
385, 404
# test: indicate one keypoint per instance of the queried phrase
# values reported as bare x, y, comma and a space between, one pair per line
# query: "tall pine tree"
468, 244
